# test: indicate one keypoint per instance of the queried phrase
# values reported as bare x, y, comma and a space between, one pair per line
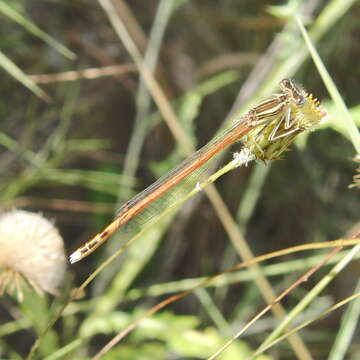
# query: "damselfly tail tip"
75, 257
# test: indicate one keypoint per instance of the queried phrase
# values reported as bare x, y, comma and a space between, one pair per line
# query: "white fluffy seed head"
30, 248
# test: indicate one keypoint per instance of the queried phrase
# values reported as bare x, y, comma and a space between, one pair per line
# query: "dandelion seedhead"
31, 251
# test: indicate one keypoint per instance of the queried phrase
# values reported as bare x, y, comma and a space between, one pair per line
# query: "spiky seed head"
31, 249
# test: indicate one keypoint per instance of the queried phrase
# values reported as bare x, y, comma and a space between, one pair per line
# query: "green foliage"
164, 334
9, 66
36, 309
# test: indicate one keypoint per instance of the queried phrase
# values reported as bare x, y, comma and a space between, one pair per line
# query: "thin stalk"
310, 297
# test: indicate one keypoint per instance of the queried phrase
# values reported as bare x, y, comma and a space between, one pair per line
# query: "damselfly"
268, 128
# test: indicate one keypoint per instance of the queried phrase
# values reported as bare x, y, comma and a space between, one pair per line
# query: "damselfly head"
294, 92
305, 105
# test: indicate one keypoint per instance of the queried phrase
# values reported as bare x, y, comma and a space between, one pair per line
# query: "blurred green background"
85, 136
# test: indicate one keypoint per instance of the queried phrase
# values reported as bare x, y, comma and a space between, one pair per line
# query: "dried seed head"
31, 248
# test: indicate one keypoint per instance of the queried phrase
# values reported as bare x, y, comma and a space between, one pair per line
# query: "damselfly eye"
285, 84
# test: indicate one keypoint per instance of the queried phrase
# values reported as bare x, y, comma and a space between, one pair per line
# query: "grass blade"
333, 91
346, 330
33, 29
19, 75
